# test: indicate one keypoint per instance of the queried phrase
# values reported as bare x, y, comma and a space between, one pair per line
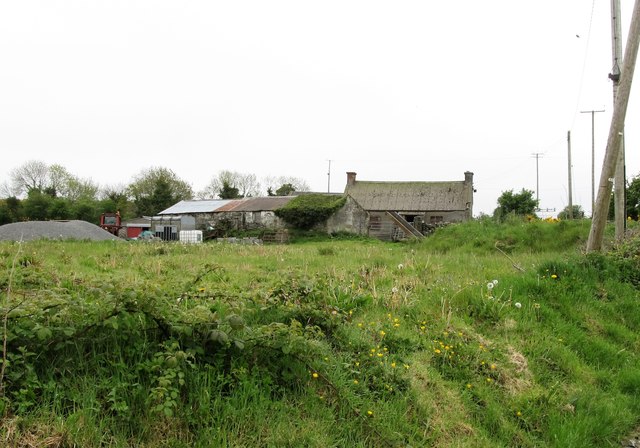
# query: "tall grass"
482, 335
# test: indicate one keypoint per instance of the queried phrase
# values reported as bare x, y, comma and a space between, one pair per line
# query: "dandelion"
492, 367
406, 366
370, 413
518, 305
393, 364
314, 375
400, 266
437, 351
355, 381
382, 333
490, 285
519, 414
201, 289
489, 380
468, 386
495, 282
554, 276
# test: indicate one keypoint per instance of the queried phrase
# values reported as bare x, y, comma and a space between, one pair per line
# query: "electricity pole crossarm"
599, 219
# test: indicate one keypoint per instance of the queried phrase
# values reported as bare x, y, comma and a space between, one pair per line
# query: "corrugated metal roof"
410, 196
199, 206
269, 203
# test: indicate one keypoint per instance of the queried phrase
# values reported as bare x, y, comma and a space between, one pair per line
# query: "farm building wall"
246, 220
351, 218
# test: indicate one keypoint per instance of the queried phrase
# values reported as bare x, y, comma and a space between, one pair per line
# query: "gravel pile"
54, 230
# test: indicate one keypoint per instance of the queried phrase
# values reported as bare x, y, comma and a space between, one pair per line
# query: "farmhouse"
398, 210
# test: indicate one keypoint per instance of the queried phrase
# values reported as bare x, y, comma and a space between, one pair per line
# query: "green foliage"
156, 189
577, 212
326, 343
285, 190
228, 191
633, 198
520, 204
515, 234
308, 210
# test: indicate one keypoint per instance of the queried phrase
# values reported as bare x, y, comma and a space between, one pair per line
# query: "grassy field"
482, 335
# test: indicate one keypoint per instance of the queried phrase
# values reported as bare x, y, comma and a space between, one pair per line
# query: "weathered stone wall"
350, 218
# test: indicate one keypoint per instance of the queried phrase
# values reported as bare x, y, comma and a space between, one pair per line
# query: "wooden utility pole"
620, 175
570, 214
593, 157
599, 219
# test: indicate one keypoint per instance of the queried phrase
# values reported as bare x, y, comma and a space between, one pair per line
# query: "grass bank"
335, 342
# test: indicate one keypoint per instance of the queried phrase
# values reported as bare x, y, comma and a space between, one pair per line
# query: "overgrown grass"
327, 342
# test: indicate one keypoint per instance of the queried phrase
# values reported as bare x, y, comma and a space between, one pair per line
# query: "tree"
32, 175
578, 213
633, 198
114, 198
155, 189
228, 191
10, 210
231, 185
54, 180
285, 190
36, 206
520, 204
276, 183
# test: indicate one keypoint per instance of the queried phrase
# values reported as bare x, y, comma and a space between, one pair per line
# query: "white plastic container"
190, 236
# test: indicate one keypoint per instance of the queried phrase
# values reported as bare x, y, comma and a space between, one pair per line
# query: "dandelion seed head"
490, 285
518, 305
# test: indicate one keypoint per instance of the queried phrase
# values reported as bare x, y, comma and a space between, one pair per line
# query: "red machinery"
111, 222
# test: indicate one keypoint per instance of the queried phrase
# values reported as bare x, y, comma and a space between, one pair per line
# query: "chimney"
468, 176
351, 178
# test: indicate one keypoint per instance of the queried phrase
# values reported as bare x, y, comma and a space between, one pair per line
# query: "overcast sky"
402, 90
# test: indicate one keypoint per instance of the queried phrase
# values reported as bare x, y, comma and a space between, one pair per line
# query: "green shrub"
306, 211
